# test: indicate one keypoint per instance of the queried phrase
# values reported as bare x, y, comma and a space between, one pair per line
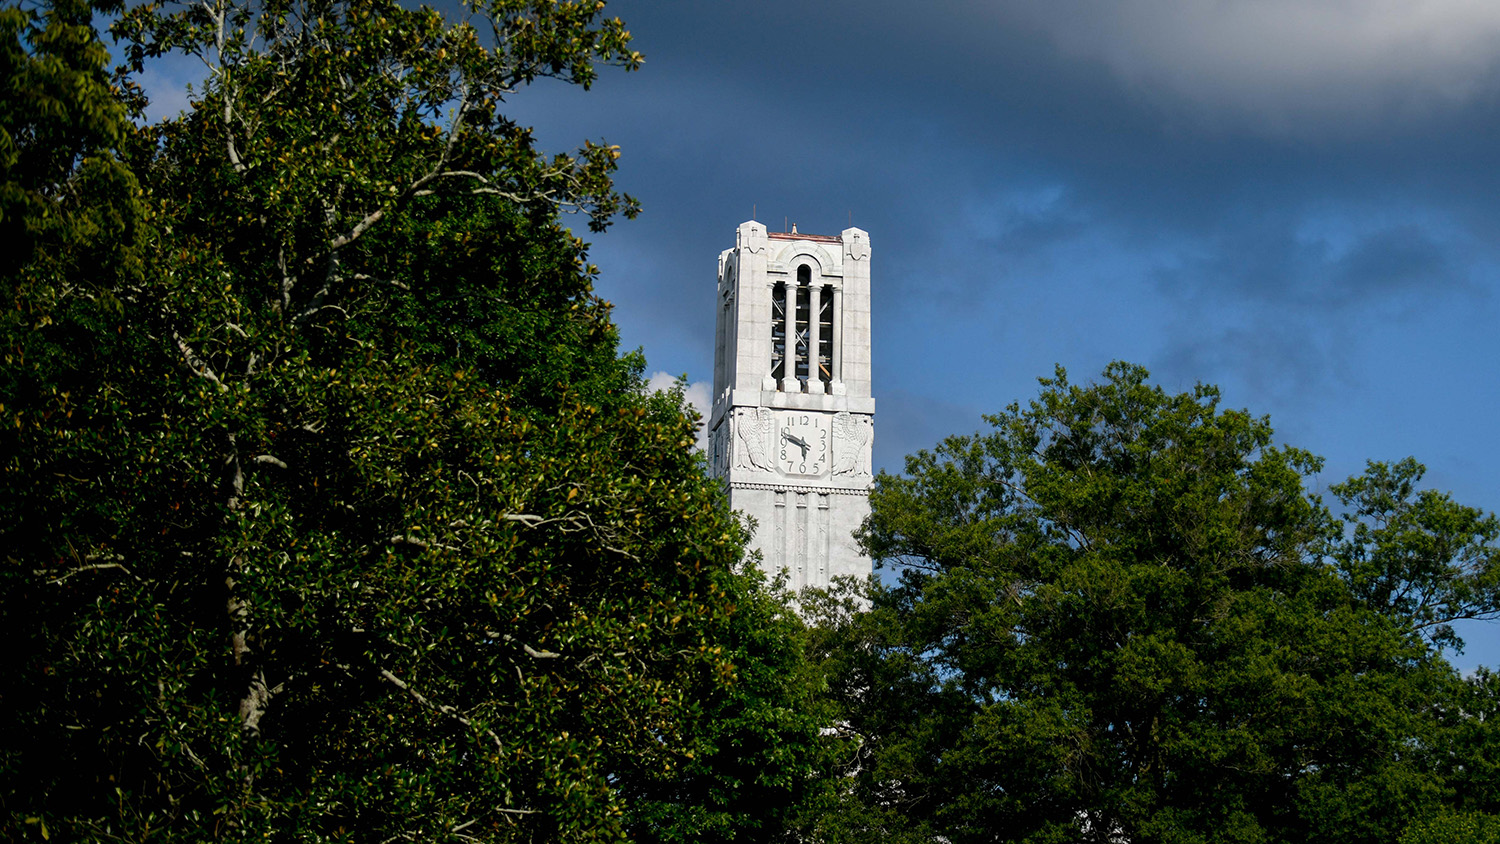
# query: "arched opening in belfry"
804, 339
825, 338
778, 333
721, 345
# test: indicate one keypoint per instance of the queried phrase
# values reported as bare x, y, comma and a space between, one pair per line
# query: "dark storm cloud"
1400, 258
919, 117
1285, 306
1277, 265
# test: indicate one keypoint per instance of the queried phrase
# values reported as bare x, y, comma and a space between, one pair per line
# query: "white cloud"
168, 93
1284, 64
697, 394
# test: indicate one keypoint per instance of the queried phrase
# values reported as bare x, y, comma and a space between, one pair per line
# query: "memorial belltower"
793, 418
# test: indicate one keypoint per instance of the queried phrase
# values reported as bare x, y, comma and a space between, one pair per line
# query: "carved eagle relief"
850, 436
753, 428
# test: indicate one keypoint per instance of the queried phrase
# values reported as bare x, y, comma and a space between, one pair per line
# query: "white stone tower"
793, 419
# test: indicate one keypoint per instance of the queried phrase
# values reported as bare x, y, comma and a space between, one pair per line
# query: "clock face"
802, 443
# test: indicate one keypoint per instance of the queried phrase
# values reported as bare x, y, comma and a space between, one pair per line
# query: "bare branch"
573, 522
414, 189
78, 570
219, 17
445, 710
375, 216
402, 539
197, 364
396, 284
622, 552
315, 309
236, 473
254, 704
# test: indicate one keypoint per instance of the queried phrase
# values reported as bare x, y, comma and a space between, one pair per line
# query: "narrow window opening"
778, 333
721, 349
803, 327
825, 339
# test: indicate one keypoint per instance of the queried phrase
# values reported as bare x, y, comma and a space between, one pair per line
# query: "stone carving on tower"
792, 422
851, 437
754, 425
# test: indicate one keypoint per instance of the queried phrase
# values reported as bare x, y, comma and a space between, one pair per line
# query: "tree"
1416, 554
1121, 617
1453, 828
763, 768
63, 191
331, 511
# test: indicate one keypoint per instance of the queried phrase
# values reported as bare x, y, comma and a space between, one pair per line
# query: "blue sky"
1296, 200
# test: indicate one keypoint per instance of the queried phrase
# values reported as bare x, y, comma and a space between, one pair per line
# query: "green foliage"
763, 767
331, 512
1467, 754
1454, 828
65, 198
1115, 620
1417, 554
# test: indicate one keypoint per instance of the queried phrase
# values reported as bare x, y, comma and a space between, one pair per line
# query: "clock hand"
796, 441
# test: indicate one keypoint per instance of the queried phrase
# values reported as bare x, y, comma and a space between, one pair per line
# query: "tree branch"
197, 364
449, 712
78, 570
219, 41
